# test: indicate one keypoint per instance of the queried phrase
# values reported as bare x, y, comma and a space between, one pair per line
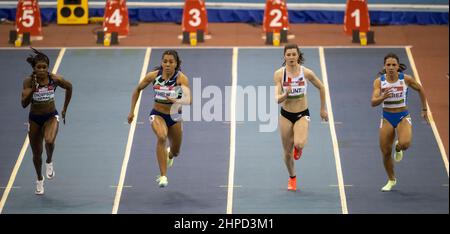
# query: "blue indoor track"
91, 146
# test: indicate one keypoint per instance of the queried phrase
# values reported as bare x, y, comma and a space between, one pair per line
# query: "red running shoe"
292, 184
297, 153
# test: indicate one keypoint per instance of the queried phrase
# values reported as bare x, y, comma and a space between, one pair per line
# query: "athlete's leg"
301, 132
387, 135
36, 137
176, 137
404, 134
287, 139
160, 129
50, 132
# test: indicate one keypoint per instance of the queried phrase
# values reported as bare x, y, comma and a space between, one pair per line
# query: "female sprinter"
291, 82
171, 90
391, 90
39, 90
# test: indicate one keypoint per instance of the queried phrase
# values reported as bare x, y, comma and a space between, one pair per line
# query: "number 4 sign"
116, 17
275, 16
28, 18
356, 16
194, 16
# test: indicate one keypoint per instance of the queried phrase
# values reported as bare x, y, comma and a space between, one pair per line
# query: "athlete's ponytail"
38, 57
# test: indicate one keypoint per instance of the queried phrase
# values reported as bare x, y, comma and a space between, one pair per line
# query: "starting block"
192, 38
275, 38
22, 39
363, 38
107, 39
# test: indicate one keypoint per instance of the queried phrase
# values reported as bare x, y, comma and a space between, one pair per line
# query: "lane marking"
337, 157
430, 113
25, 145
234, 75
214, 47
126, 158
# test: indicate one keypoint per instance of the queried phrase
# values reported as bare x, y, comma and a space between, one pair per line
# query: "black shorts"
41, 119
294, 117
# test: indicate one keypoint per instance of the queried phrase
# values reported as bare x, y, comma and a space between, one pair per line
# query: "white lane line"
337, 157
126, 158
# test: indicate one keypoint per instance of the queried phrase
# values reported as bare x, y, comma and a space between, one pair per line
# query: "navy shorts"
395, 118
167, 118
41, 119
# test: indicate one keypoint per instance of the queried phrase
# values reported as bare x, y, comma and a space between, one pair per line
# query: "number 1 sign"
356, 16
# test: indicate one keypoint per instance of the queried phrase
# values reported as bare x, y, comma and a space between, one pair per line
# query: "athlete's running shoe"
162, 181
297, 153
292, 184
39, 187
169, 160
50, 173
398, 155
388, 187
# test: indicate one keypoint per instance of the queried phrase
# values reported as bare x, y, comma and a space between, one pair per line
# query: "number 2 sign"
275, 16
194, 16
28, 18
356, 16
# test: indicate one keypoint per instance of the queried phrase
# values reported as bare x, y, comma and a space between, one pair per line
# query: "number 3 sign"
194, 16
275, 16
356, 16
28, 18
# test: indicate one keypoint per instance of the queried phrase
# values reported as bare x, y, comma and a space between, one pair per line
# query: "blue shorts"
395, 118
41, 119
167, 118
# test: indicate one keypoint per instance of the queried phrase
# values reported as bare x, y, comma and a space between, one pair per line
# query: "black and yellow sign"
72, 12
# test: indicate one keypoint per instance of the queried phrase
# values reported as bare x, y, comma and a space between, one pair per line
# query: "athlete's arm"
411, 82
27, 92
309, 74
377, 98
280, 95
186, 99
65, 84
148, 79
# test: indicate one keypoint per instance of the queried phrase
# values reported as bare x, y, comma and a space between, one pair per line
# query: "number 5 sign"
116, 17
28, 18
356, 16
275, 16
194, 16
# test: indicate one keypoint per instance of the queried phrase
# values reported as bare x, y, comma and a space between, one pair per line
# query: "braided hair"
401, 67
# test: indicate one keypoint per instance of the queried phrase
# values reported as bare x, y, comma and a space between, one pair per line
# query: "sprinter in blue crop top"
171, 90
39, 91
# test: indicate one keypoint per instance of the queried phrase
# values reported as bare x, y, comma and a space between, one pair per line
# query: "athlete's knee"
161, 138
300, 144
403, 145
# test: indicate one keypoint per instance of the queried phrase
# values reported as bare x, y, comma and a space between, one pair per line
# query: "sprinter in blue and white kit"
171, 90
391, 90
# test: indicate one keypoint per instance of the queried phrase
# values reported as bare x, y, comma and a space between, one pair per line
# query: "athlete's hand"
324, 115
34, 83
130, 117
424, 115
172, 100
387, 93
63, 115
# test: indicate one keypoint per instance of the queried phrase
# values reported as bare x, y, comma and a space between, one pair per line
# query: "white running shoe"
390, 184
50, 173
39, 187
162, 181
169, 160
398, 155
